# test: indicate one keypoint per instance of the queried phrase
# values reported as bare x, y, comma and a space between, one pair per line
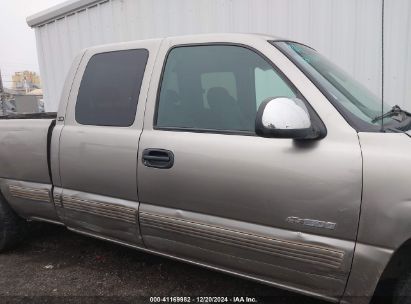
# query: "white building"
347, 31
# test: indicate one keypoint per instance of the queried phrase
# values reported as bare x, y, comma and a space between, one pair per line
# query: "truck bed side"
23, 149
24, 170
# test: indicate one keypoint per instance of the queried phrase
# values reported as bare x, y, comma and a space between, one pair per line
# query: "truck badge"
311, 223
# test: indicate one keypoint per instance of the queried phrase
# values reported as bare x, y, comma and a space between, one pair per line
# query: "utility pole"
2, 96
1, 83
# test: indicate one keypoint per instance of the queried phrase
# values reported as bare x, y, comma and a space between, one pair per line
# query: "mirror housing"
284, 117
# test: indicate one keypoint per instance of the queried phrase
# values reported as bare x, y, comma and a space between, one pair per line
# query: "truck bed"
48, 115
23, 147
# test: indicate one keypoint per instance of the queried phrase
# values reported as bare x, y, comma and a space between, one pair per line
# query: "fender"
385, 211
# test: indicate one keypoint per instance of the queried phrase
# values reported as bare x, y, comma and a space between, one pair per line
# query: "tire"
402, 291
12, 227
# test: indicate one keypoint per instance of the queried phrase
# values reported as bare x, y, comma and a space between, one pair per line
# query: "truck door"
211, 191
99, 142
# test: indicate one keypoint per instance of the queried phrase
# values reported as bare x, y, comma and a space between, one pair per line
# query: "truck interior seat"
225, 109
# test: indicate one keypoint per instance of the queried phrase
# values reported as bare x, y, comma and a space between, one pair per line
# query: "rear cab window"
110, 88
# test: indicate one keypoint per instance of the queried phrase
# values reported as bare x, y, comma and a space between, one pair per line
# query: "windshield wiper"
395, 111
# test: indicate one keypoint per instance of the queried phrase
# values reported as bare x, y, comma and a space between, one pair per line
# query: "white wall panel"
397, 88
348, 32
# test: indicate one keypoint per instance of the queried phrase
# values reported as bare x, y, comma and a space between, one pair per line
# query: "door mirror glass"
284, 117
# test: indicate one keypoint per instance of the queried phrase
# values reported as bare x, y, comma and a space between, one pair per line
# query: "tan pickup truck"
247, 154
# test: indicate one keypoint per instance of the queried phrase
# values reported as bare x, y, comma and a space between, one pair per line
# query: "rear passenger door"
99, 142
213, 192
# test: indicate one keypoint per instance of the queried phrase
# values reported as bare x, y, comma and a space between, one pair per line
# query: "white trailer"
349, 32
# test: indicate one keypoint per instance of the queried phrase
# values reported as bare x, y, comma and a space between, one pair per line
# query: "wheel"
402, 291
12, 227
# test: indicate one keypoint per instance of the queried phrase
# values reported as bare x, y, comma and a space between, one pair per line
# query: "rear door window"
110, 88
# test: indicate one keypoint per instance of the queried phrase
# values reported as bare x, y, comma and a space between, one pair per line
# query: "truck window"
216, 87
269, 83
224, 79
110, 88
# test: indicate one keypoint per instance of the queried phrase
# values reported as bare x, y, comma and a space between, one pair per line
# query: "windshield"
350, 97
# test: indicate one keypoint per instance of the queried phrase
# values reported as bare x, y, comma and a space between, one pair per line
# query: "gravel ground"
55, 265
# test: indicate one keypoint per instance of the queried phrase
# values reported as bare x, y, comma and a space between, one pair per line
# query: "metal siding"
107, 26
397, 89
41, 57
348, 32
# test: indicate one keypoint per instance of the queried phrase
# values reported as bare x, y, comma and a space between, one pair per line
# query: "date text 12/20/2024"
203, 300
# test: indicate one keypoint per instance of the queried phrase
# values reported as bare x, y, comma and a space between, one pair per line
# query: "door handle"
158, 158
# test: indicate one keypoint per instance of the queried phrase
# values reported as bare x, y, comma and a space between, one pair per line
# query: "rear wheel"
12, 227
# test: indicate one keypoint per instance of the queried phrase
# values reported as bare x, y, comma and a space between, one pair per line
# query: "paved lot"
55, 265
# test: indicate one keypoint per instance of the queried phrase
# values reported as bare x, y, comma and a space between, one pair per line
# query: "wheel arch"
398, 265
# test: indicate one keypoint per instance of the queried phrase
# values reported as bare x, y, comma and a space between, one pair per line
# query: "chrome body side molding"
302, 252
310, 262
29, 199
104, 215
100, 209
34, 194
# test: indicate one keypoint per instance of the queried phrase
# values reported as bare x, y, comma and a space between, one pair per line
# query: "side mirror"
284, 117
